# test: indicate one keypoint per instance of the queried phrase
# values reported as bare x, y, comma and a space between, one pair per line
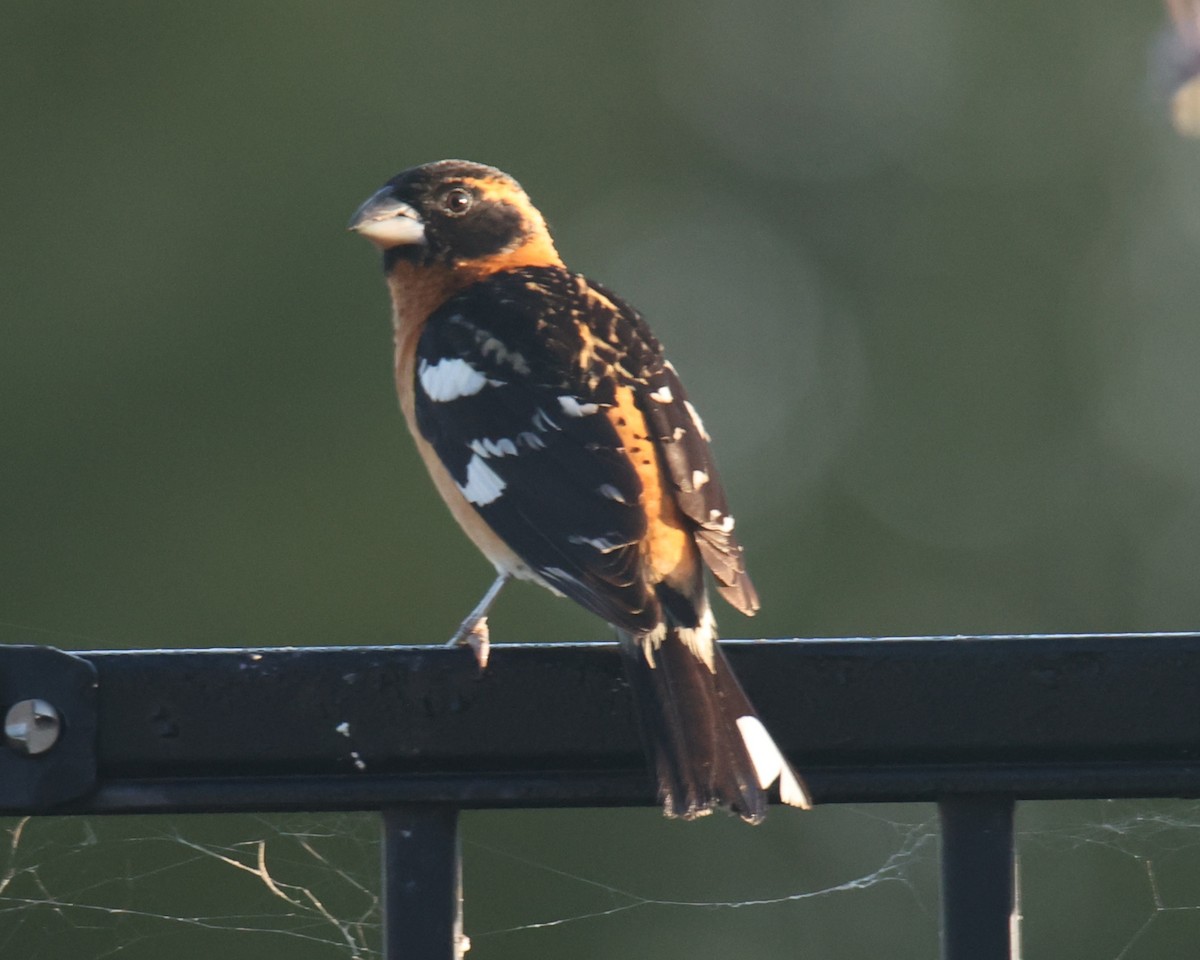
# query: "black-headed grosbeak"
566, 448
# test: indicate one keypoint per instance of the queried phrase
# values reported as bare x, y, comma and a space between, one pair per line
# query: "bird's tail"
708, 746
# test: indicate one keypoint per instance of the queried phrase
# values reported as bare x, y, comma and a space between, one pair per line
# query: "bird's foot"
474, 634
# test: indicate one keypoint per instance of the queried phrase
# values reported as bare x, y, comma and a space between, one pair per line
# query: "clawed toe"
474, 634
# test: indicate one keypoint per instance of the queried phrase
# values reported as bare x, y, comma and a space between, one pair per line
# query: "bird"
565, 446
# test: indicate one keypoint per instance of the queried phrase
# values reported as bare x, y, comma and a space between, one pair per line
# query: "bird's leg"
473, 632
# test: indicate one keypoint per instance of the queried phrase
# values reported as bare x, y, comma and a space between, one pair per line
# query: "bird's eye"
457, 201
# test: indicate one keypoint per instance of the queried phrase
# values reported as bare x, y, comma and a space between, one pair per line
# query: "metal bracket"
48, 705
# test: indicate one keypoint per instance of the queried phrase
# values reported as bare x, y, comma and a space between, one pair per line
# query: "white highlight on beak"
770, 764
387, 222
394, 232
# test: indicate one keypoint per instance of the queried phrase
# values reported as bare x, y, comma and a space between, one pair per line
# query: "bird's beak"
388, 222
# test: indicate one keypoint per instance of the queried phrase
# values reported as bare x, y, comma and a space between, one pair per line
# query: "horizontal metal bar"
896, 719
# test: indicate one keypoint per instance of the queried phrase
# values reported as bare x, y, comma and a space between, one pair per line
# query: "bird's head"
457, 215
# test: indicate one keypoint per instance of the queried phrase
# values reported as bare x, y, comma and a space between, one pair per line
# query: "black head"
452, 213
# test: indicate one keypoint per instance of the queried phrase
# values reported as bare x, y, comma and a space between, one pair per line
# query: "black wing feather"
570, 502
569, 507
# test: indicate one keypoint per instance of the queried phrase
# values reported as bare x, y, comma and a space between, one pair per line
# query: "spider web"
134, 887
1100, 879
141, 886
1114, 880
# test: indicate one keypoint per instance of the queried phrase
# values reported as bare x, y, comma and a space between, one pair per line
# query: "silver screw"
32, 726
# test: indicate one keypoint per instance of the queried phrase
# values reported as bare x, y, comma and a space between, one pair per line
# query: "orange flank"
668, 547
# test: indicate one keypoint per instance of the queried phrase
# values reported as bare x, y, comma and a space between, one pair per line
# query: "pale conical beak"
388, 222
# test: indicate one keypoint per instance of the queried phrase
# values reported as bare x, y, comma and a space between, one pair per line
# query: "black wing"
518, 422
532, 359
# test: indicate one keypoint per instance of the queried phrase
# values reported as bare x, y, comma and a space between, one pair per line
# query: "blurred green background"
929, 270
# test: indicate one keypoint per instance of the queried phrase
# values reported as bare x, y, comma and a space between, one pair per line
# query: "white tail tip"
770, 764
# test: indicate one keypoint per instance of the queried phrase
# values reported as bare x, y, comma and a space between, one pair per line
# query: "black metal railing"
418, 733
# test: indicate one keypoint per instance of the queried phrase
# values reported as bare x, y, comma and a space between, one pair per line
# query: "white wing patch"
451, 378
573, 408
542, 421
696, 419
770, 764
531, 440
601, 544
701, 639
491, 345
717, 521
487, 448
611, 492
699, 479
483, 447
662, 395
483, 485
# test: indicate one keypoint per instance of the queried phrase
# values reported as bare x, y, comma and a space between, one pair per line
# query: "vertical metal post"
978, 879
422, 884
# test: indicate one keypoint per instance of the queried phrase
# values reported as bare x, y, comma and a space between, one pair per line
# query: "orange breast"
414, 299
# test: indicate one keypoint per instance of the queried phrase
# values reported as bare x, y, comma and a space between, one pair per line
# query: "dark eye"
457, 201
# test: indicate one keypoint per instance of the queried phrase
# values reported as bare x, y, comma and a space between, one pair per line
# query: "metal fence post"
978, 879
422, 883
